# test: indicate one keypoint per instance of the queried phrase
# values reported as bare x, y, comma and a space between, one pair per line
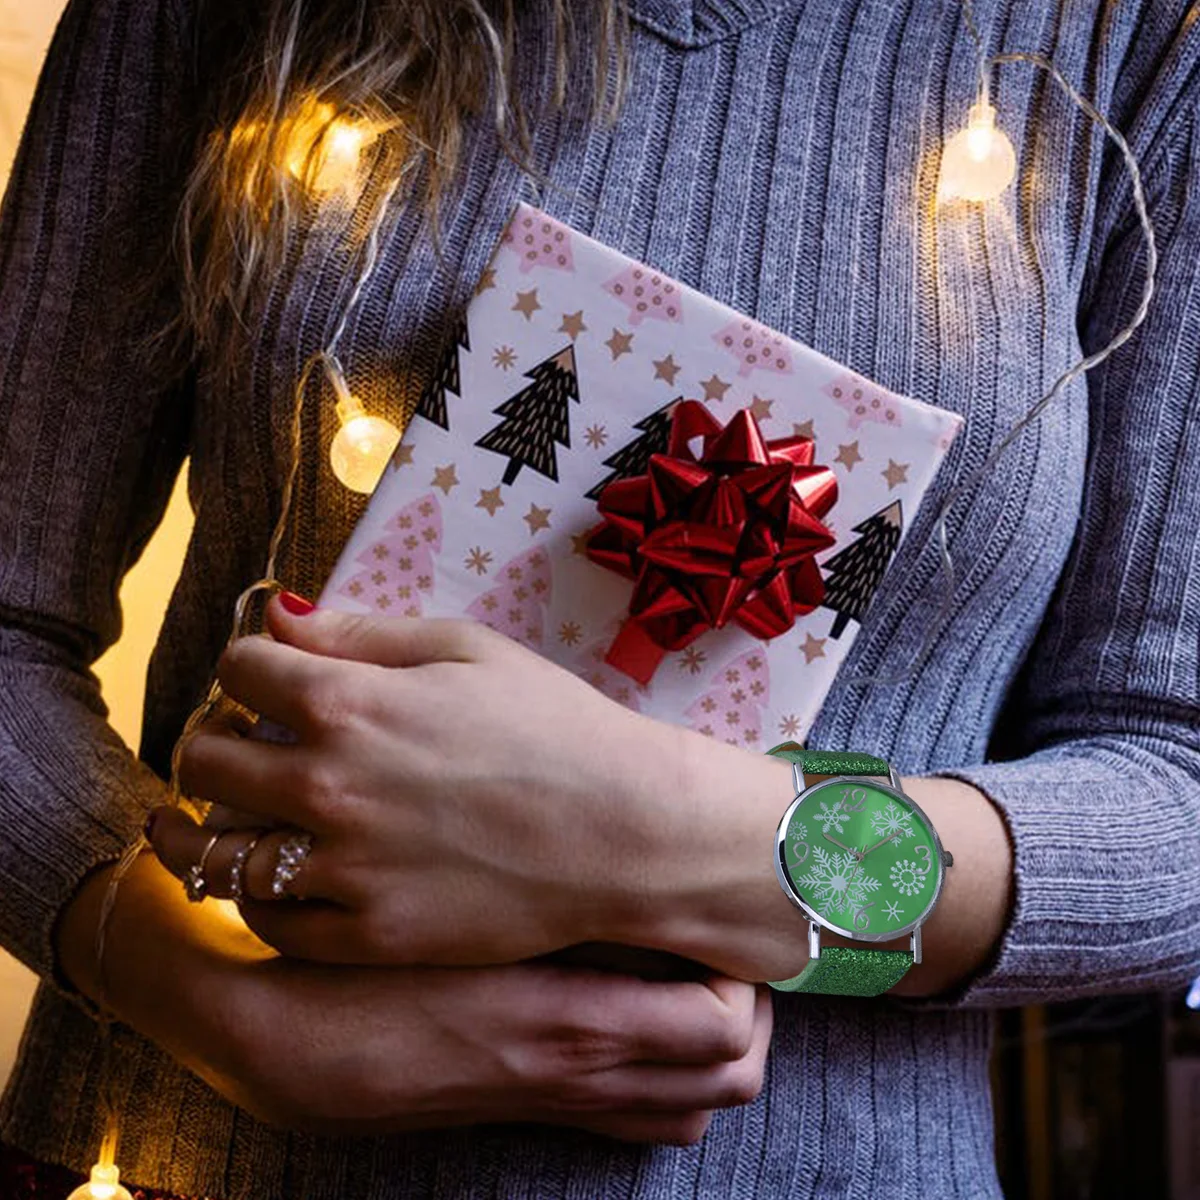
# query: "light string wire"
327, 358
1078, 369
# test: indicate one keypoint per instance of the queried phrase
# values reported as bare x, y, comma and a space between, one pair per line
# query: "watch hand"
889, 838
846, 848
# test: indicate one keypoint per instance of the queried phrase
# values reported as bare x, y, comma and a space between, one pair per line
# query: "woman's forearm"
712, 893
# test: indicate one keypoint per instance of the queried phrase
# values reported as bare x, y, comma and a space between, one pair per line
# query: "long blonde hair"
418, 70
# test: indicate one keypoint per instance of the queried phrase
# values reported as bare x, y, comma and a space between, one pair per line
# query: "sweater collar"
694, 23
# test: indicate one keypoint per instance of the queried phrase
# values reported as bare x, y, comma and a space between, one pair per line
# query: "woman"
780, 156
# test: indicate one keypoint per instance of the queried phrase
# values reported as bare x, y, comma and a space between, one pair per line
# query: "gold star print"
693, 659
620, 343
536, 518
667, 369
402, 457
789, 726
478, 560
445, 478
527, 304
760, 409
579, 542
896, 473
715, 388
813, 647
573, 324
569, 633
596, 437
505, 358
803, 429
489, 498
848, 455
486, 280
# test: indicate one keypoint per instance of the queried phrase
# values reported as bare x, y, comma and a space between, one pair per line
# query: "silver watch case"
815, 921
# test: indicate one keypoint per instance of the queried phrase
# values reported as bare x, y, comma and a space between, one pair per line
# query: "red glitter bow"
729, 536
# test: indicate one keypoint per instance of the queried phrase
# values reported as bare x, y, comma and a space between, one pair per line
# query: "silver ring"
289, 860
237, 869
194, 883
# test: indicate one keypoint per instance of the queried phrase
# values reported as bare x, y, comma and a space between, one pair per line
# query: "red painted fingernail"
296, 605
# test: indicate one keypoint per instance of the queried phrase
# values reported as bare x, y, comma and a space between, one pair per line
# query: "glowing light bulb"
363, 446
324, 150
979, 162
104, 1184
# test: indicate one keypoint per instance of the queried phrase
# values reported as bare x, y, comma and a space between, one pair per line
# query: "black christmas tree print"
447, 377
853, 576
634, 457
537, 417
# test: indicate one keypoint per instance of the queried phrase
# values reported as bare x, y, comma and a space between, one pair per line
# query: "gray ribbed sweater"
780, 155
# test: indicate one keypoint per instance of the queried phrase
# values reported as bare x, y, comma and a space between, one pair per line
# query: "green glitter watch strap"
849, 971
830, 762
843, 970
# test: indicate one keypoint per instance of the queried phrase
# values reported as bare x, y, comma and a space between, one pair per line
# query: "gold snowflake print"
521, 593
516, 616
789, 726
539, 586
381, 552
733, 717
707, 730
404, 591
596, 437
754, 662
622, 695
505, 358
412, 611
405, 522
514, 572
732, 675
406, 563
757, 687
478, 560
693, 660
379, 578
750, 735
355, 589
569, 633
537, 558
429, 534
488, 602
426, 508
738, 695
424, 582
708, 704
412, 542
383, 601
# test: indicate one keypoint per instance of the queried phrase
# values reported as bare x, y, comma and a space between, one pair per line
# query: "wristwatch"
858, 857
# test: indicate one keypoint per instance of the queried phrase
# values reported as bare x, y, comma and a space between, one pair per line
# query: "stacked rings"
194, 883
237, 869
292, 853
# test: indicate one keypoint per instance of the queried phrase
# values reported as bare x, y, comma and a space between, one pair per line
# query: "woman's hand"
373, 1050
470, 802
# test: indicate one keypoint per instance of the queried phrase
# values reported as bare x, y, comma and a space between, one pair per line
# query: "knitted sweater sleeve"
1099, 782
91, 441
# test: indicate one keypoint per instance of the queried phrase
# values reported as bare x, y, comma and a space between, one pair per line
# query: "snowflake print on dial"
837, 881
892, 819
831, 816
841, 861
907, 877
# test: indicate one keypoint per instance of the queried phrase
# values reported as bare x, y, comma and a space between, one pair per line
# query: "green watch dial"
860, 857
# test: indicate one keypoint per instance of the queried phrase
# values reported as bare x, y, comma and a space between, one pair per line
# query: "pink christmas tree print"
398, 568
755, 347
516, 606
540, 241
863, 401
616, 685
731, 708
646, 293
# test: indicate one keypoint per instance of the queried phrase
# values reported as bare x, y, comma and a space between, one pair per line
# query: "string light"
364, 445
324, 151
979, 162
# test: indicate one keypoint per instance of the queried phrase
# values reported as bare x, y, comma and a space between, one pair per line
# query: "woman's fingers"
181, 844
278, 783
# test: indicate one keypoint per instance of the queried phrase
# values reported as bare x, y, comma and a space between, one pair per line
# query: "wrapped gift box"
563, 377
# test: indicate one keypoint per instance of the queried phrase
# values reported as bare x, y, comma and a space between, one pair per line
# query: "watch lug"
893, 778
798, 777
814, 940
915, 942
948, 858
